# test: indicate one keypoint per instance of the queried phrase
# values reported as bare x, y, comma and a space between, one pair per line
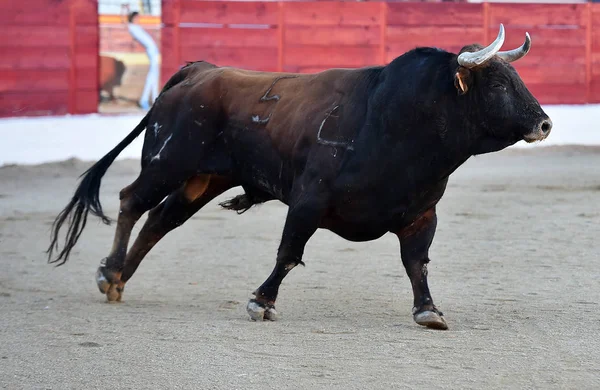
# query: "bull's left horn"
471, 60
515, 54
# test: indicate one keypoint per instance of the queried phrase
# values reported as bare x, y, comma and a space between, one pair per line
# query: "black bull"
360, 152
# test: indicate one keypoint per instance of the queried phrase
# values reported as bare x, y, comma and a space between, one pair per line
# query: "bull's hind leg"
415, 241
144, 193
170, 214
303, 219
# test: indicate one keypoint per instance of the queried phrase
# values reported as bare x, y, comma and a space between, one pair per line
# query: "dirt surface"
515, 269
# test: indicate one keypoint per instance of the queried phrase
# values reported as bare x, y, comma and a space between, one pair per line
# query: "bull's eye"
499, 86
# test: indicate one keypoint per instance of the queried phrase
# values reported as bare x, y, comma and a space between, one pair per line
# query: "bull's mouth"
536, 136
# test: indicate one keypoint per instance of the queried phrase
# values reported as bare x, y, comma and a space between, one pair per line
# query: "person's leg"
155, 70
145, 98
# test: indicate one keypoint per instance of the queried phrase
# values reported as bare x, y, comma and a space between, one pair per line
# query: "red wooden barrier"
563, 66
593, 54
48, 64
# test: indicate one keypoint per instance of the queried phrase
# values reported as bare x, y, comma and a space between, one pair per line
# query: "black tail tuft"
243, 203
239, 203
85, 200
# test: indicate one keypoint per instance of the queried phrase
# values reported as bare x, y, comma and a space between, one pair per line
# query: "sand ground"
515, 268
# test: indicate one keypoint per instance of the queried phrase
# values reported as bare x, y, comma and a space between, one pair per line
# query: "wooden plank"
167, 13
87, 78
33, 103
595, 64
86, 101
35, 58
383, 32
85, 11
36, 5
51, 16
220, 12
280, 35
229, 37
332, 35
311, 56
595, 8
435, 14
595, 27
72, 56
86, 57
39, 80
548, 93
87, 36
525, 15
556, 55
441, 37
549, 74
594, 91
38, 36
247, 58
542, 37
167, 46
588, 53
332, 13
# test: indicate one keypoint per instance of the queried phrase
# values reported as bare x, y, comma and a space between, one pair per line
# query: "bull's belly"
352, 231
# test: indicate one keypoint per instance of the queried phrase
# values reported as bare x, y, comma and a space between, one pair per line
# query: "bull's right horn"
471, 60
515, 54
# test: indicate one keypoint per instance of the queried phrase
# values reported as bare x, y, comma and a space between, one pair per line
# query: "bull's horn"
515, 54
470, 60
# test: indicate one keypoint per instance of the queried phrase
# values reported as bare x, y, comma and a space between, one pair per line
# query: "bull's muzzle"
540, 131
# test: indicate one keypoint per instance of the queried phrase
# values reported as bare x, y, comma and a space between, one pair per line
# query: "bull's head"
486, 78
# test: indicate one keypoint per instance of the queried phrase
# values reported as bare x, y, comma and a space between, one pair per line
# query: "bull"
360, 152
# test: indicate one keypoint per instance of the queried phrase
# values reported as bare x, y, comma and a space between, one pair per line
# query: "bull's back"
272, 121
289, 108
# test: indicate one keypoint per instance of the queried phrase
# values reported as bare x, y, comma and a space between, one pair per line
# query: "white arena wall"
88, 137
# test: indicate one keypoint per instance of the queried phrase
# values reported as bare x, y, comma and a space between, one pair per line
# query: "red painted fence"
49, 48
562, 67
48, 57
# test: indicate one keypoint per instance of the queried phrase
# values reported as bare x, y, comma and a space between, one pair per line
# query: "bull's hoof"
114, 293
102, 281
431, 319
109, 284
261, 312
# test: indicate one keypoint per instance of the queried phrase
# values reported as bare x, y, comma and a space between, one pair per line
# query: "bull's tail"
87, 199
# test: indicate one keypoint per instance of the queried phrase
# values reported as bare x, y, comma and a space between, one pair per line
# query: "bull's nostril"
546, 126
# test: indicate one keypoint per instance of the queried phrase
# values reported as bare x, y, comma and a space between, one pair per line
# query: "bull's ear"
462, 80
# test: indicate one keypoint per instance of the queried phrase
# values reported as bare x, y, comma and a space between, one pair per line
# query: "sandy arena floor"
515, 268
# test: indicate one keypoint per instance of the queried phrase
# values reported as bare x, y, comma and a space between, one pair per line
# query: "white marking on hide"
290, 266
257, 312
198, 123
100, 278
157, 157
256, 119
157, 127
328, 142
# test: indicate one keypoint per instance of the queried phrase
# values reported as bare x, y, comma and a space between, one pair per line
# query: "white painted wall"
89, 137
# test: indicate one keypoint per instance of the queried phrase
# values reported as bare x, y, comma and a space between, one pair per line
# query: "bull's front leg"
302, 221
415, 241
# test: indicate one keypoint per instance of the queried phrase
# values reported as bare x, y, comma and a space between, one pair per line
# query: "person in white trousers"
150, 91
